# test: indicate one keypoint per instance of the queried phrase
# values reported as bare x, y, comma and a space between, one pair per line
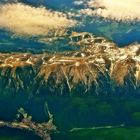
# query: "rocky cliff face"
99, 67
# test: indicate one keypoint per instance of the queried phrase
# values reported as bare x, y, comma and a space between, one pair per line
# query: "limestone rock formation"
99, 67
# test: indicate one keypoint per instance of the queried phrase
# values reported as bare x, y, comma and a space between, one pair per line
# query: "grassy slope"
131, 133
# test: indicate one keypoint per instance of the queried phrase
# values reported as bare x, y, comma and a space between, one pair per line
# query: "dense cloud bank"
126, 10
25, 19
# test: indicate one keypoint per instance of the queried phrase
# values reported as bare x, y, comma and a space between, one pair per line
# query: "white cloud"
116, 9
78, 2
24, 19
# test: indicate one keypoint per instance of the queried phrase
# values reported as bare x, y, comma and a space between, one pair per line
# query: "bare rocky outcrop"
43, 130
99, 67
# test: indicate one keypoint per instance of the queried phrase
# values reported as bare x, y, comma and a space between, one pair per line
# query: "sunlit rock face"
99, 67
